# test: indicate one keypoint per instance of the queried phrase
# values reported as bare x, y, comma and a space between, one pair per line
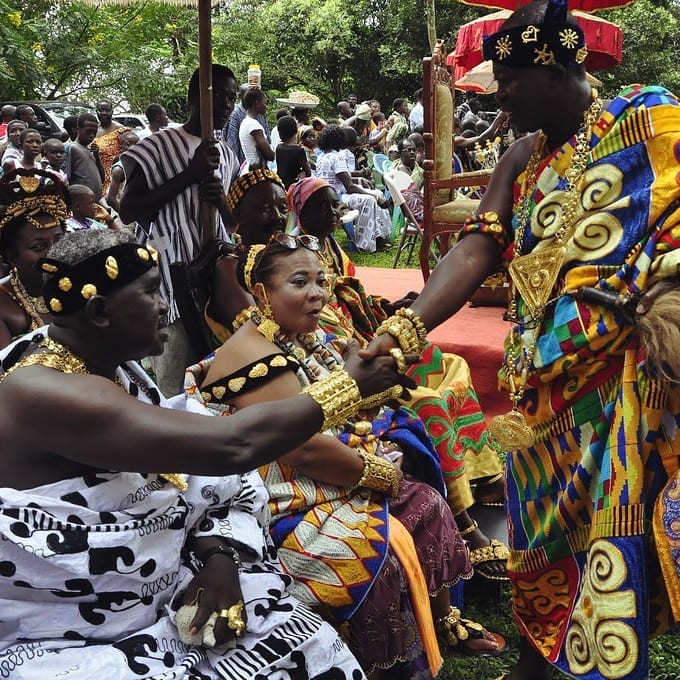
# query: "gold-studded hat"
68, 287
26, 194
553, 41
240, 186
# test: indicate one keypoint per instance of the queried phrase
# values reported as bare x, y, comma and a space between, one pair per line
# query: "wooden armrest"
476, 178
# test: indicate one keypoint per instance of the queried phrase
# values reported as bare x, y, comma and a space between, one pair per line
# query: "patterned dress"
586, 587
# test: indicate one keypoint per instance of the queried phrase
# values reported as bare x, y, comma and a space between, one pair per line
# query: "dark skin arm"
475, 257
90, 421
117, 178
263, 145
97, 159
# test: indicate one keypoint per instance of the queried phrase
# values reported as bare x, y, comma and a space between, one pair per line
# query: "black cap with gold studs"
68, 287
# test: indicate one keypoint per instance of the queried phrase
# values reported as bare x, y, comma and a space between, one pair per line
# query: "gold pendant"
512, 432
535, 275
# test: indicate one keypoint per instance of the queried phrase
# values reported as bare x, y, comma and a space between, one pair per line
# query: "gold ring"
397, 391
234, 616
399, 359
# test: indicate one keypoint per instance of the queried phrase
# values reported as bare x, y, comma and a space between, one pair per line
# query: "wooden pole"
206, 95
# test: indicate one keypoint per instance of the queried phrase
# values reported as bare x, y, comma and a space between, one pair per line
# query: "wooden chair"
444, 212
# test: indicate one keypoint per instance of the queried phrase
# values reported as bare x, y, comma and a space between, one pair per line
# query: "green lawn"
494, 612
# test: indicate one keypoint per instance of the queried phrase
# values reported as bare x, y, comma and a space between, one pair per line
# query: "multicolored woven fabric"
586, 587
444, 399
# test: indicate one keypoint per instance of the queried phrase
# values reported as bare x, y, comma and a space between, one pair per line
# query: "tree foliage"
145, 51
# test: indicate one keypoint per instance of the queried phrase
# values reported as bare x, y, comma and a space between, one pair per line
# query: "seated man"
99, 550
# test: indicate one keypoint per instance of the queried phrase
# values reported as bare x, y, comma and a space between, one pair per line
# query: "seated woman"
445, 399
33, 220
344, 519
373, 227
340, 506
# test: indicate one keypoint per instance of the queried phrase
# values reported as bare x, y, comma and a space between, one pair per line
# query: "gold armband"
338, 395
379, 474
407, 329
375, 400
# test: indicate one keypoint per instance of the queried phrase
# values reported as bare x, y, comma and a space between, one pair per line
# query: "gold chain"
32, 306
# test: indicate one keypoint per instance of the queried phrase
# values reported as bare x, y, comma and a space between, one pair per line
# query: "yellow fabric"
455, 212
443, 140
402, 545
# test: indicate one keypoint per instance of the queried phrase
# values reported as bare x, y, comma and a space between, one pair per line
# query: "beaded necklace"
32, 306
533, 277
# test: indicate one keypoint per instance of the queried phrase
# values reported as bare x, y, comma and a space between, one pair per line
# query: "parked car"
51, 114
137, 121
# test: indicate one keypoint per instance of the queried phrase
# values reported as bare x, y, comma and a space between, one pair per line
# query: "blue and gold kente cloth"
585, 579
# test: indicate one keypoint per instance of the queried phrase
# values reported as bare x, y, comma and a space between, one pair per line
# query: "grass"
491, 606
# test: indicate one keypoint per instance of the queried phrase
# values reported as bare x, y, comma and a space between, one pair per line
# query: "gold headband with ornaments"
68, 287
26, 194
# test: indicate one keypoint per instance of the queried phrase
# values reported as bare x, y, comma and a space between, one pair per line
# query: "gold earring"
268, 326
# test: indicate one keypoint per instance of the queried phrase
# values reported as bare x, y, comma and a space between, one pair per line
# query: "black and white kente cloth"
90, 568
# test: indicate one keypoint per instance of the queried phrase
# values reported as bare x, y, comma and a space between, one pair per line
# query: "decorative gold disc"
535, 275
512, 432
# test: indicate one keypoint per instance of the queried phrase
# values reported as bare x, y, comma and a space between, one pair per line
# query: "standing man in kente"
585, 213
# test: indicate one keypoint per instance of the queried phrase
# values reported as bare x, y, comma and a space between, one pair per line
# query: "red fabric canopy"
603, 39
582, 5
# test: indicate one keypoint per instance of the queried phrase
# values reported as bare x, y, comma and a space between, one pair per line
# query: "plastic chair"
378, 160
396, 181
347, 222
377, 169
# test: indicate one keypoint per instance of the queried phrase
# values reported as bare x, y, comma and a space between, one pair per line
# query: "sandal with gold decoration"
494, 552
454, 632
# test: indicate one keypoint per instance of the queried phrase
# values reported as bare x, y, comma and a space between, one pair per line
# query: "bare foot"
531, 665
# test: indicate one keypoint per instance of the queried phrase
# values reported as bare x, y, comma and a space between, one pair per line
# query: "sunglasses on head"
293, 242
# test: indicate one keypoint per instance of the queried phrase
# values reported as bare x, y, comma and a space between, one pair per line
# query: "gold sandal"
453, 631
494, 552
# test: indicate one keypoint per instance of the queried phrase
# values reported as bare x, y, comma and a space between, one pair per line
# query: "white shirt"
245, 136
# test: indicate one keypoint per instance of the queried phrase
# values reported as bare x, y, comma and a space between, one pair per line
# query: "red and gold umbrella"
604, 40
582, 5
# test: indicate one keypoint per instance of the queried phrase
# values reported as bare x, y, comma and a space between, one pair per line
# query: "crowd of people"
321, 455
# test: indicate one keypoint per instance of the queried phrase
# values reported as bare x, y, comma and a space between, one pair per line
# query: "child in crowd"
127, 139
307, 138
14, 129
86, 212
53, 158
30, 143
291, 159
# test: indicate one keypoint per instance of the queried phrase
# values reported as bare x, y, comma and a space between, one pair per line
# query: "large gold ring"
399, 359
397, 391
234, 616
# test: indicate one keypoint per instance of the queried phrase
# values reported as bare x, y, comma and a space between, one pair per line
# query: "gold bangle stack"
379, 474
338, 395
407, 328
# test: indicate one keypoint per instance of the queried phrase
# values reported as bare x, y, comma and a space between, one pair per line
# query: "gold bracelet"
379, 474
403, 331
338, 395
381, 398
421, 331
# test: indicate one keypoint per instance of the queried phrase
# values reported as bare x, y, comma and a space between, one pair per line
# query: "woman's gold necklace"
32, 306
534, 276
